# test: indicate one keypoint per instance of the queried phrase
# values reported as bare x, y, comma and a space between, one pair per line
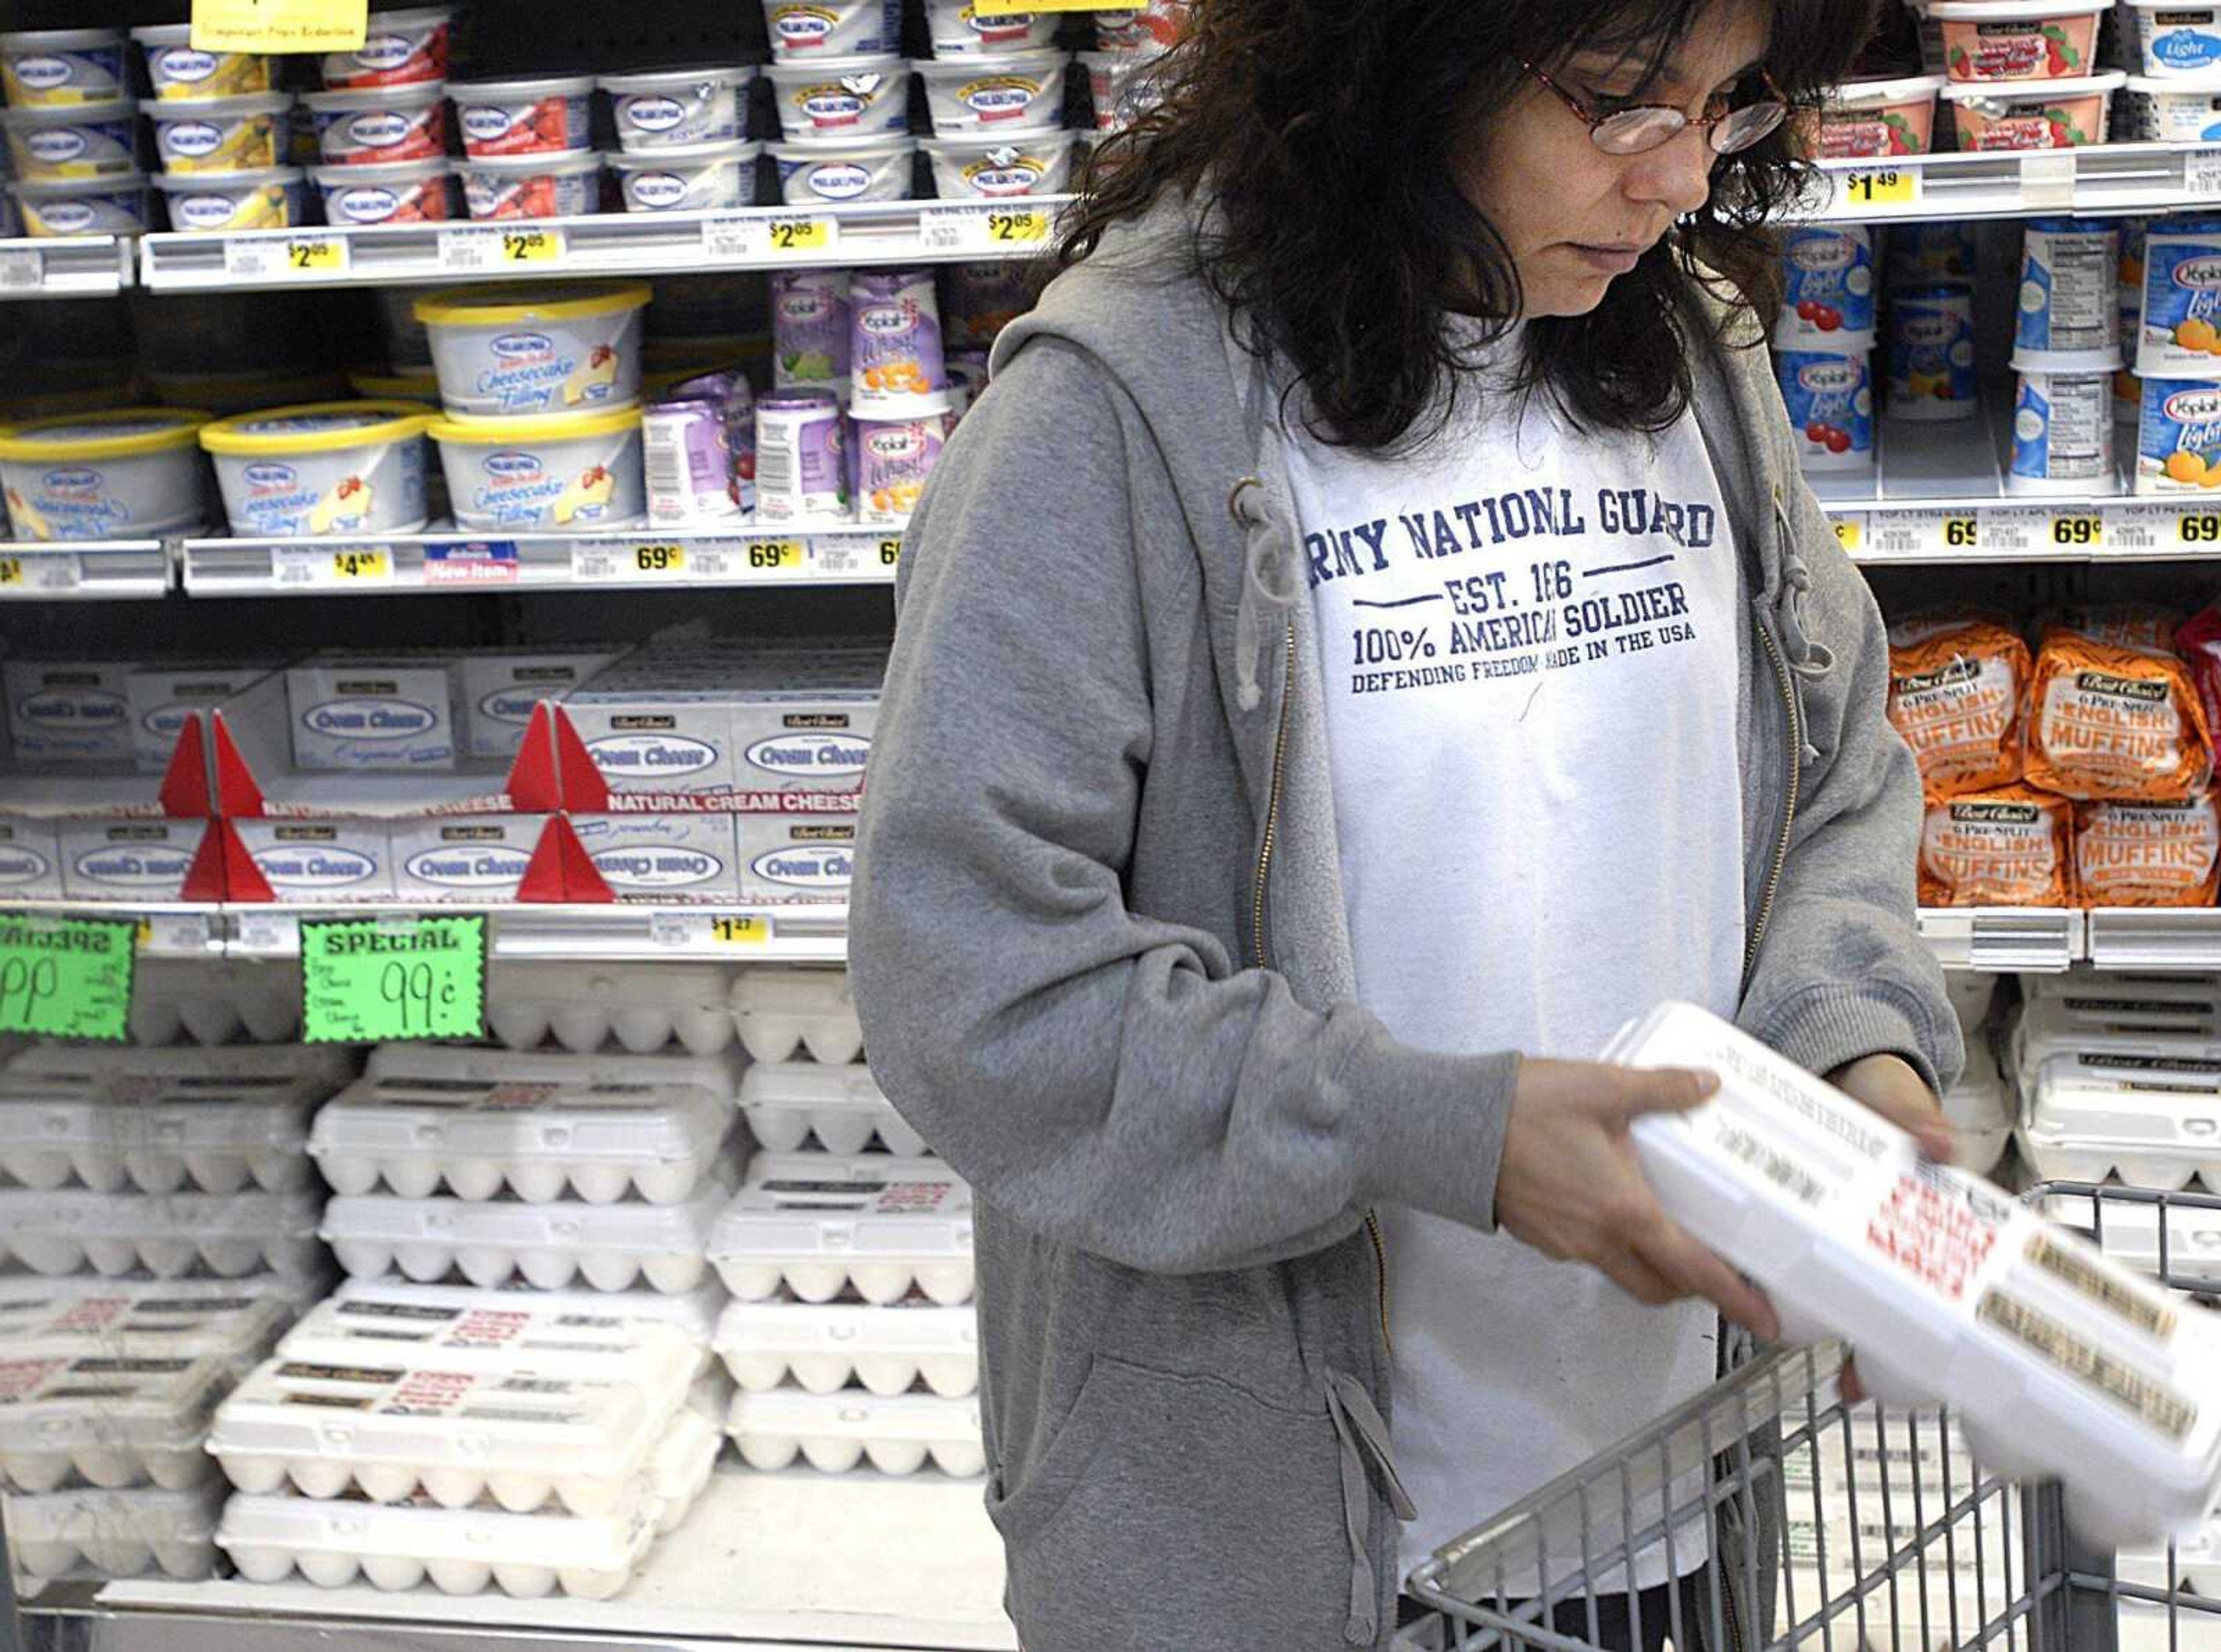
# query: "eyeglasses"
1638, 127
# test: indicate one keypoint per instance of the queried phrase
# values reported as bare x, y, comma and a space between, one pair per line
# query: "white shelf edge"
2091, 179
65, 266
85, 570
2004, 939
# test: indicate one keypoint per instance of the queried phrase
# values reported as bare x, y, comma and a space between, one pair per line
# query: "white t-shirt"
1530, 655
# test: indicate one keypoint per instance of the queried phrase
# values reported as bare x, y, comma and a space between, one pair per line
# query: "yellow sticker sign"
360, 565
658, 559
11, 571
1018, 226
532, 246
1871, 187
801, 234
309, 254
741, 931
279, 25
775, 556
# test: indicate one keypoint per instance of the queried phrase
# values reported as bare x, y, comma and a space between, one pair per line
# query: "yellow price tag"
360, 565
890, 551
741, 931
1880, 186
2078, 530
658, 559
12, 571
1013, 8
1018, 226
2199, 527
1961, 533
775, 556
801, 234
1848, 536
145, 935
313, 253
532, 246
279, 25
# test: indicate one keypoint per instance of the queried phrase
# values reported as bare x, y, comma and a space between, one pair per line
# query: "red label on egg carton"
1933, 1231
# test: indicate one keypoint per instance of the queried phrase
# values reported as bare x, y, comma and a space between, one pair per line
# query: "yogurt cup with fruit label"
842, 97
405, 192
220, 134
1931, 353
957, 30
1873, 119
52, 144
894, 457
117, 205
547, 115
802, 464
811, 330
2180, 336
679, 108
832, 29
130, 473
2179, 435
894, 344
1830, 395
2018, 40
536, 348
1828, 291
2033, 115
1024, 90
274, 197
375, 125
2062, 433
331, 467
838, 170
2175, 39
498, 189
576, 470
176, 68
2069, 317
995, 166
400, 48
703, 177
46, 67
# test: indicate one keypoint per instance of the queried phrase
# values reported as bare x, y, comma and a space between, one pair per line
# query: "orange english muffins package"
2012, 847
2147, 854
2118, 625
2112, 722
1956, 687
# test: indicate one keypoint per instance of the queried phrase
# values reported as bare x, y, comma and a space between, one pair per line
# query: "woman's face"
1573, 217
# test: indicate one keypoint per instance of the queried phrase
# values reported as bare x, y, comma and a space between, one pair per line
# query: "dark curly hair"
1322, 133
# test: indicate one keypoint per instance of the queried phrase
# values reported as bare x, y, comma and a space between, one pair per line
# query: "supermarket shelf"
180, 929
641, 243
83, 570
2006, 940
74, 267
2157, 939
792, 1560
589, 933
640, 558
2101, 178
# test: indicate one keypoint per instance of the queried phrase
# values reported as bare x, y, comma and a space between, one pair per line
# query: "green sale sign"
66, 977
368, 980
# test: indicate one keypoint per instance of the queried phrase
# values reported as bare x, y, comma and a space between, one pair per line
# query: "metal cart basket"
1843, 1528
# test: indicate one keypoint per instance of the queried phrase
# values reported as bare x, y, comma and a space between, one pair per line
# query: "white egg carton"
2156, 1025
611, 1247
789, 1102
2130, 1236
112, 1422
235, 1322
2057, 1360
825, 1346
584, 1005
694, 1314
218, 1139
818, 1224
599, 1140
834, 1432
2096, 1115
328, 1065
780, 1011
422, 1423
719, 1073
213, 1001
116, 1534
166, 1234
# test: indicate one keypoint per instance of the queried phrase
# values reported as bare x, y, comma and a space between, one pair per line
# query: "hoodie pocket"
1177, 1511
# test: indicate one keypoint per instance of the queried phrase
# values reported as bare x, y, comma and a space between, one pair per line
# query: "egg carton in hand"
212, 1001
834, 1432
2154, 1121
113, 1422
324, 1065
611, 1247
826, 1347
582, 1006
780, 1011
218, 1139
236, 1322
600, 1140
718, 1073
787, 1103
821, 1223
166, 1234
116, 1534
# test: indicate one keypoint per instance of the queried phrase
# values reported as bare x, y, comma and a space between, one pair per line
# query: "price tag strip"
66, 977
310, 566
692, 561
710, 931
803, 235
367, 980
1003, 227
258, 256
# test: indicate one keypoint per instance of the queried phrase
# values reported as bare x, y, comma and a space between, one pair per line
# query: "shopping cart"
1852, 1528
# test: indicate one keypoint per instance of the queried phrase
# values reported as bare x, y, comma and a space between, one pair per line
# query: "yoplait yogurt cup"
842, 97
406, 192
548, 115
993, 167
1828, 290
68, 141
810, 330
536, 348
979, 300
894, 343
2033, 115
2174, 39
1931, 353
330, 467
272, 198
2157, 110
832, 29
698, 442
834, 172
2062, 433
374, 126
128, 473
2068, 310
1022, 90
116, 205
400, 48
2179, 336
2179, 435
45, 66
497, 189
802, 465
1830, 395
894, 457
2018, 40
176, 68
957, 29
221, 135
573, 470
703, 177
1157, 27
679, 108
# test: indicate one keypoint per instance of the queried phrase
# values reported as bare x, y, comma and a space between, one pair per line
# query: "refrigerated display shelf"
614, 243
2094, 180
84, 570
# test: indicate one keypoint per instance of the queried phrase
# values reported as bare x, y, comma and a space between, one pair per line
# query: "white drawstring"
1269, 584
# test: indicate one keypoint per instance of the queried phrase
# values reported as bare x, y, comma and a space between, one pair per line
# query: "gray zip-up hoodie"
1099, 946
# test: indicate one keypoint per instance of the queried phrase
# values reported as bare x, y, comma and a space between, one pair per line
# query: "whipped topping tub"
526, 350
328, 467
132, 473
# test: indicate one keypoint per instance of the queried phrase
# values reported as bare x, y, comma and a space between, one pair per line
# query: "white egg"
45, 1559
962, 1458
178, 1471
259, 1565
460, 1577
44, 1171
821, 1281
110, 1467
474, 1179
392, 1573
111, 1257
278, 1170
599, 1184
326, 1569
316, 1477
519, 1026
885, 1374
670, 1183
835, 1041
953, 1376
832, 1456
411, 1175
675, 1275
901, 1140
486, 1266
822, 1374
362, 1259
423, 1263
453, 1488
842, 1129
879, 1283
780, 1129
525, 1582
897, 1457
119, 1557
385, 1482
38, 1471
43, 1254
593, 1586
580, 1029
218, 1172
188, 1562
257, 1475
949, 1284
539, 1183
704, 1032
769, 1452
643, 1030
101, 1172
749, 1281
350, 1176
547, 1270
519, 1493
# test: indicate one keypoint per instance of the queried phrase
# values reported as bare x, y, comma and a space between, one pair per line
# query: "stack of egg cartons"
146, 1167
850, 1336
512, 1431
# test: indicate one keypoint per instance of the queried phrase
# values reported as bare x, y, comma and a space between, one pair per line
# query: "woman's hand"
1888, 1085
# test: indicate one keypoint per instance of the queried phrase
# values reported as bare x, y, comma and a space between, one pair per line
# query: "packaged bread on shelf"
2109, 721
1957, 683
2010, 847
2132, 853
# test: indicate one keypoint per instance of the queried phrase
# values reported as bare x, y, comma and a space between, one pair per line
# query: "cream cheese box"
662, 857
127, 859
30, 860
314, 863
371, 713
499, 692
464, 857
160, 698
62, 711
796, 858
672, 742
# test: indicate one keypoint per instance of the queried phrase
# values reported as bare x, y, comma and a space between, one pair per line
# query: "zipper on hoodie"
1271, 842
1794, 711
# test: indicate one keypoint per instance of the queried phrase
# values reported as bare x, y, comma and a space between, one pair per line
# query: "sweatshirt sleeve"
1109, 1080
1843, 973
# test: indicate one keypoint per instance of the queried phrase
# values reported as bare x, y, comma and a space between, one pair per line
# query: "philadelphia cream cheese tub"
406, 192
831, 171
176, 68
547, 116
94, 206
377, 125
859, 97
576, 470
221, 135
546, 347
701, 177
74, 141
127, 474
62, 65
501, 188
1021, 91
400, 48
801, 30
666, 108
273, 198
991, 166
330, 467
957, 30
